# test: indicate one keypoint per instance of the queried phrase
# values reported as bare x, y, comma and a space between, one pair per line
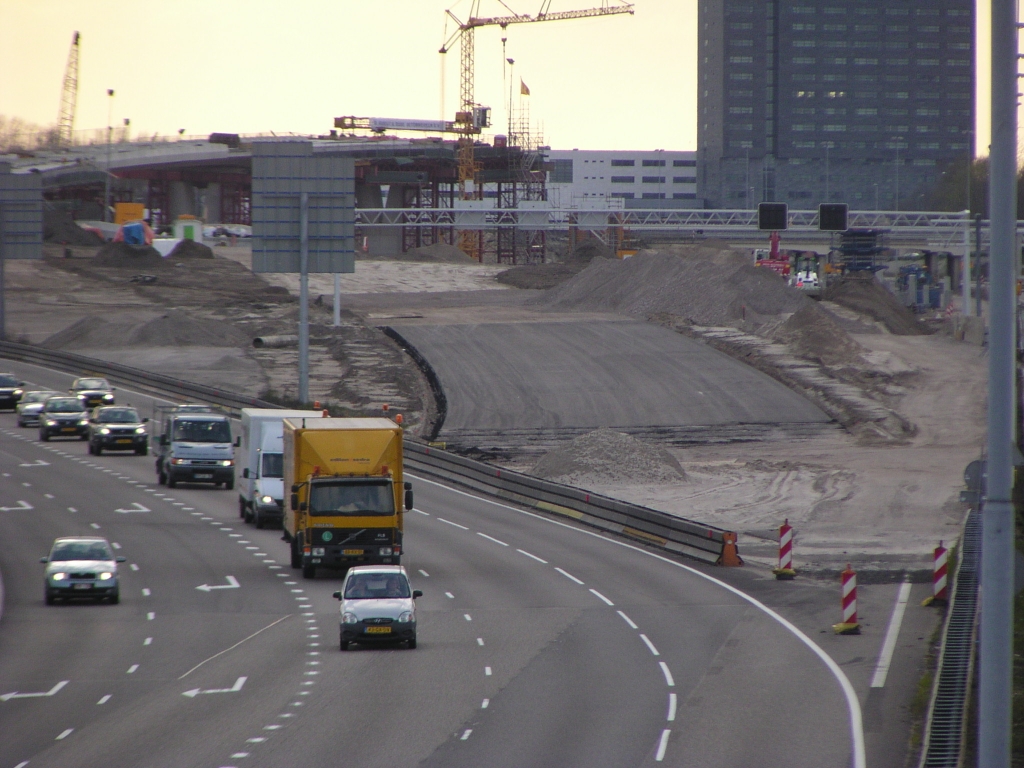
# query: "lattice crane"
471, 117
68, 97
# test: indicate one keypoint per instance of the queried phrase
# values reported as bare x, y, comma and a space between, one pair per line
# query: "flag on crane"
523, 88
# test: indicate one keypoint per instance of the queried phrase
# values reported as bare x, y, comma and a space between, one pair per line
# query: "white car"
377, 606
31, 404
81, 567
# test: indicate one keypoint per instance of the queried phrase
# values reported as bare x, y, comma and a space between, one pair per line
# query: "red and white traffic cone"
785, 570
849, 625
940, 584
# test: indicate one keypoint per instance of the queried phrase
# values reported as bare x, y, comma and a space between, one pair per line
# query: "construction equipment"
471, 117
68, 97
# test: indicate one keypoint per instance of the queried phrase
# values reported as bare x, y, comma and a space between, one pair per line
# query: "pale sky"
253, 66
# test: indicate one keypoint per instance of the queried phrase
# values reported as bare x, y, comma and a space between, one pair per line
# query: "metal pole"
337, 300
304, 297
977, 262
995, 679
110, 134
898, 139
965, 268
3, 260
827, 147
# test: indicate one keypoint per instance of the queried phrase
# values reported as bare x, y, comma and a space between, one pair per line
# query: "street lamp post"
110, 136
899, 139
747, 203
876, 196
828, 146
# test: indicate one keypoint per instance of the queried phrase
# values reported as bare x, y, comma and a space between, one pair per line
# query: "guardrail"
674, 534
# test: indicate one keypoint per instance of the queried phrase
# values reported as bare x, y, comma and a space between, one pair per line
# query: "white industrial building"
598, 178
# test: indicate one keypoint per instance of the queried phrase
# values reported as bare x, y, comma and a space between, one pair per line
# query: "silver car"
81, 566
30, 405
377, 606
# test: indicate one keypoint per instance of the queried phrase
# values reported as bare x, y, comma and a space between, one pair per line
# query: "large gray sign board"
21, 216
281, 172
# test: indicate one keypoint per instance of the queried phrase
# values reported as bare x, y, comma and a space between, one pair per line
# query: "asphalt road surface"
575, 376
541, 644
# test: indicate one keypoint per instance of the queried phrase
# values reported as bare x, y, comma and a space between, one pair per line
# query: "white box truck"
259, 464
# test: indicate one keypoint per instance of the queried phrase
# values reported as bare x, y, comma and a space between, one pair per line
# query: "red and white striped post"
849, 625
940, 583
785, 570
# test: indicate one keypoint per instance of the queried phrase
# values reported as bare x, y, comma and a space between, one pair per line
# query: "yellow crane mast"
471, 117
68, 97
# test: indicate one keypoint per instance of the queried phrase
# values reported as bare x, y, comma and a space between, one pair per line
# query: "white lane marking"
249, 548
133, 566
27, 485
291, 583
104, 700
649, 644
256, 740
233, 689
420, 511
65, 734
272, 727
491, 538
52, 692
188, 509
150, 616
891, 636
146, 592
449, 594
240, 754
255, 554
468, 617
668, 675
49, 495
72, 509
425, 574
524, 552
148, 641
451, 523
568, 575
852, 702
297, 591
135, 507
232, 584
485, 704
234, 535
221, 653
465, 735
671, 707
22, 505
94, 526
628, 620
479, 641
662, 745
36, 463
132, 669
115, 545
601, 597
273, 566
487, 671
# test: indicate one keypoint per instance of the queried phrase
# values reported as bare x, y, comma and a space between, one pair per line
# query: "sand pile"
190, 249
172, 329
866, 295
438, 253
131, 256
607, 456
59, 227
813, 332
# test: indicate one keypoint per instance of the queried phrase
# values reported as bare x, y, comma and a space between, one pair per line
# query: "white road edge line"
601, 597
671, 707
250, 637
524, 552
852, 702
104, 700
649, 644
668, 675
465, 735
491, 538
65, 734
628, 620
662, 745
891, 635
568, 575
451, 523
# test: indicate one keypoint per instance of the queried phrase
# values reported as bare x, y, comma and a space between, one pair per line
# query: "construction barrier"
849, 625
940, 587
785, 570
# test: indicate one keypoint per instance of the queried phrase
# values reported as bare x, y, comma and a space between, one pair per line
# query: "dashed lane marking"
524, 552
601, 597
669, 681
449, 522
104, 699
568, 575
628, 620
662, 745
649, 644
491, 538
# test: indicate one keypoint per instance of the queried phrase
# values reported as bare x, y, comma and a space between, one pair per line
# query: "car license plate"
204, 475
351, 551
378, 630
124, 440
67, 429
83, 586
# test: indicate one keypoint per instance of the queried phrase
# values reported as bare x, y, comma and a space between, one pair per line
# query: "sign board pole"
965, 271
304, 297
337, 299
3, 259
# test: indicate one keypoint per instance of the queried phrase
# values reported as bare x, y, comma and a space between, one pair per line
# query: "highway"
541, 643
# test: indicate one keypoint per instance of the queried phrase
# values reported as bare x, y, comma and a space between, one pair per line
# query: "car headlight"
267, 499
81, 397
19, 392
349, 618
318, 552
108, 396
405, 618
140, 430
181, 461
386, 550
83, 421
227, 463
59, 576
106, 576
105, 431
50, 422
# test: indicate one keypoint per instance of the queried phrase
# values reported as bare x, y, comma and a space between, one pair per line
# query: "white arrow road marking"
21, 505
233, 689
36, 463
136, 507
232, 584
51, 692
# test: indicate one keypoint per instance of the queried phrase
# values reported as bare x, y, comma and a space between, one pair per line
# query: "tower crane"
68, 97
471, 117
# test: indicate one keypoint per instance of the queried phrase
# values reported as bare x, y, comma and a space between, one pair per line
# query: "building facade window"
653, 163
653, 179
684, 163
560, 171
741, 59
623, 179
623, 163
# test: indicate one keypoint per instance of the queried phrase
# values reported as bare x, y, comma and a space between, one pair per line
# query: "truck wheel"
412, 644
309, 571
242, 508
143, 451
50, 599
296, 556
343, 644
230, 484
260, 522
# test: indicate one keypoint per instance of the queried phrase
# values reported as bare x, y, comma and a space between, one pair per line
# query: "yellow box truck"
347, 497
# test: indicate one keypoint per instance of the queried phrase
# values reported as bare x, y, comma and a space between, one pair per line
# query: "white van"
260, 463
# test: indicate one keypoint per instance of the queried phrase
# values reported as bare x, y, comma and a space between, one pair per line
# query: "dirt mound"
173, 329
539, 276
588, 250
607, 456
717, 288
190, 249
129, 256
59, 227
813, 332
869, 297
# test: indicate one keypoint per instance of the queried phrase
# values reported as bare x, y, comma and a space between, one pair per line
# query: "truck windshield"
273, 465
200, 431
363, 586
372, 498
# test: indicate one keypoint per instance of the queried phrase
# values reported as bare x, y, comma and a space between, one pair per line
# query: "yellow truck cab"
346, 493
